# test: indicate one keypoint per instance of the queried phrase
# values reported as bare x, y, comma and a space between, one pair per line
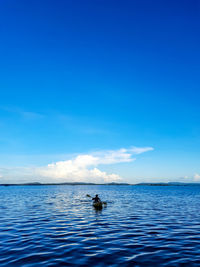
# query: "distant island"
113, 183
67, 183
167, 184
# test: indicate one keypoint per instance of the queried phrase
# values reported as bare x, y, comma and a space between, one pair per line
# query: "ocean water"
141, 226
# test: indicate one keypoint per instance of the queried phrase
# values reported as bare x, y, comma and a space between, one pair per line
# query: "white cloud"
139, 150
75, 170
82, 168
197, 177
121, 155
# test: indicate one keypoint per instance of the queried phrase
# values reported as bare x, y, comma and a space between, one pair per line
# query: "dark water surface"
141, 226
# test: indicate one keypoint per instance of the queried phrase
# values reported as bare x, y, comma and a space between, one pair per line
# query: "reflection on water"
141, 226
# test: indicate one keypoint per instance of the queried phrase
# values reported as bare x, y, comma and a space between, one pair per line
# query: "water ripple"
141, 226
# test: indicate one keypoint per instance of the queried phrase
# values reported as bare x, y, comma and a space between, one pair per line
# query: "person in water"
96, 199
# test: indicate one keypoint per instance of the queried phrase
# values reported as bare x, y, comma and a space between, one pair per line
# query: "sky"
99, 91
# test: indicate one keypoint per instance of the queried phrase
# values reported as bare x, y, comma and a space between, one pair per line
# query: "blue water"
141, 226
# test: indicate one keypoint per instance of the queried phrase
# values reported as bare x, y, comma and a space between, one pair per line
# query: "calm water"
141, 226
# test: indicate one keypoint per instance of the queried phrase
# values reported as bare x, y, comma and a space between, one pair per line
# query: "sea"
141, 225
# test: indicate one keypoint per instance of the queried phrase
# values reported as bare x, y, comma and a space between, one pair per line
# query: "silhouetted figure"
96, 199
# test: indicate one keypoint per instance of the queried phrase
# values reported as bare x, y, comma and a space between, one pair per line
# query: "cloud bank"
197, 177
82, 168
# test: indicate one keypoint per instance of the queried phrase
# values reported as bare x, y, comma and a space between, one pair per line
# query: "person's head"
96, 195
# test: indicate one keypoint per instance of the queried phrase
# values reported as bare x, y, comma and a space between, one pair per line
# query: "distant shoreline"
117, 184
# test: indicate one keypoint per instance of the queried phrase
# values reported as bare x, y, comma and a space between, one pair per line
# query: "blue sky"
86, 77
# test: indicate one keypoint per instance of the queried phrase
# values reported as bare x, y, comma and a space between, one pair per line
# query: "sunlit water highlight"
141, 226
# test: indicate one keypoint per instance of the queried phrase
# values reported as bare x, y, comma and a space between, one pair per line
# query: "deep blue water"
141, 226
